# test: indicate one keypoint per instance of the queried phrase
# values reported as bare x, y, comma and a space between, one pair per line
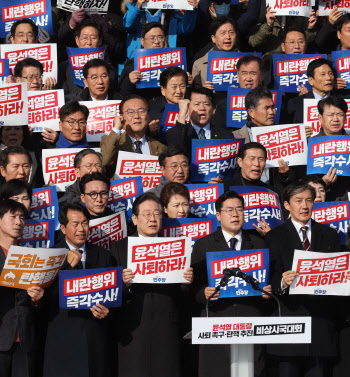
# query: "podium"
243, 332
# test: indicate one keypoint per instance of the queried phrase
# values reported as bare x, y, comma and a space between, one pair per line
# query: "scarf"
63, 142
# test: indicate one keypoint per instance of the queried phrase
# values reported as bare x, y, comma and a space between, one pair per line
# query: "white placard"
13, 104
290, 7
326, 6
100, 7
167, 4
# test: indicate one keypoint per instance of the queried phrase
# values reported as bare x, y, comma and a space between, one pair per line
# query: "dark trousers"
17, 363
304, 366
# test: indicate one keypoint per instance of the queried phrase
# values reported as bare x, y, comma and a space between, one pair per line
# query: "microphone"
237, 272
224, 279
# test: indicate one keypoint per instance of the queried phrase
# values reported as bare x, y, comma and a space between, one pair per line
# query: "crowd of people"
144, 337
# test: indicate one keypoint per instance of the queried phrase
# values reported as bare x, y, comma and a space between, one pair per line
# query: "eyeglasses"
157, 215
90, 166
30, 78
231, 210
160, 38
73, 122
23, 35
94, 78
293, 43
176, 167
92, 39
131, 113
93, 195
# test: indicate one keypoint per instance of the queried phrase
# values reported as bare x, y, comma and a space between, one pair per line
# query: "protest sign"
335, 215
341, 61
259, 203
290, 7
170, 116
167, 4
236, 115
320, 273
46, 53
105, 230
101, 118
82, 289
38, 233
94, 7
326, 6
123, 193
43, 109
329, 151
222, 71
287, 142
203, 197
58, 166
253, 262
4, 70
77, 58
13, 104
134, 164
214, 158
38, 11
152, 62
290, 70
159, 259
26, 266
44, 204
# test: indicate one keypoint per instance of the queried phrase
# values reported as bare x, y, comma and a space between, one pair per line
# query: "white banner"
13, 104
159, 260
326, 6
99, 6
290, 7
167, 4
320, 273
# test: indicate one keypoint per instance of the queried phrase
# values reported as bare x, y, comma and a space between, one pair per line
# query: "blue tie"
233, 242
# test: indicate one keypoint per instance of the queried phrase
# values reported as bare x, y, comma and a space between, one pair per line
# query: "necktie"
138, 146
233, 242
202, 134
306, 241
80, 263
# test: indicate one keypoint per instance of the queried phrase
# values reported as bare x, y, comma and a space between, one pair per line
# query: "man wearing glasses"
133, 120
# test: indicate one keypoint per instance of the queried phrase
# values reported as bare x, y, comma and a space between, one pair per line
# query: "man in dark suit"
149, 334
214, 360
200, 108
134, 119
18, 333
302, 233
78, 342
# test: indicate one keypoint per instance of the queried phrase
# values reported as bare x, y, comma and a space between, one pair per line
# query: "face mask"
222, 10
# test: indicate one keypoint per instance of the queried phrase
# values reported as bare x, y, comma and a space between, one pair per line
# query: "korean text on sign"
13, 104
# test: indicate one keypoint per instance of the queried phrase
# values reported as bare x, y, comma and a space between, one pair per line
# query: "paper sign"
4, 70
341, 61
82, 289
94, 7
170, 116
26, 267
253, 262
160, 260
13, 104
320, 273
38, 234
167, 4
326, 6
290, 7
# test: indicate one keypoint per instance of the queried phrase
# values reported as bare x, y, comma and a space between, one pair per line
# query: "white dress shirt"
229, 236
205, 128
83, 254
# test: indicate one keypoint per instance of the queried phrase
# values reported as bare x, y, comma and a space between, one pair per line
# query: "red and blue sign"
342, 64
38, 233
4, 70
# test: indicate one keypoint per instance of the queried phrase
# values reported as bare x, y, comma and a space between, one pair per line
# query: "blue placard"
341, 60
222, 70
170, 115
329, 151
152, 62
4, 70
336, 215
194, 228
290, 70
214, 158
123, 193
45, 204
253, 262
77, 58
82, 289
37, 10
260, 203
38, 233
203, 197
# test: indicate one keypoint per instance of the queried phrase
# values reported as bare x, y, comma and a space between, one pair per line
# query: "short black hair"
65, 207
79, 156
94, 176
173, 188
24, 21
218, 22
205, 91
143, 198
130, 97
149, 26
227, 195
4, 157
314, 178
71, 108
290, 30
335, 101
318, 63
88, 22
252, 145
254, 96
28, 62
344, 19
248, 59
297, 188
9, 205
170, 152
94, 63
15, 187
171, 72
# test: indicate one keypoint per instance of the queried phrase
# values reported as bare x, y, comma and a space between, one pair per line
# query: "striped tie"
202, 134
306, 241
